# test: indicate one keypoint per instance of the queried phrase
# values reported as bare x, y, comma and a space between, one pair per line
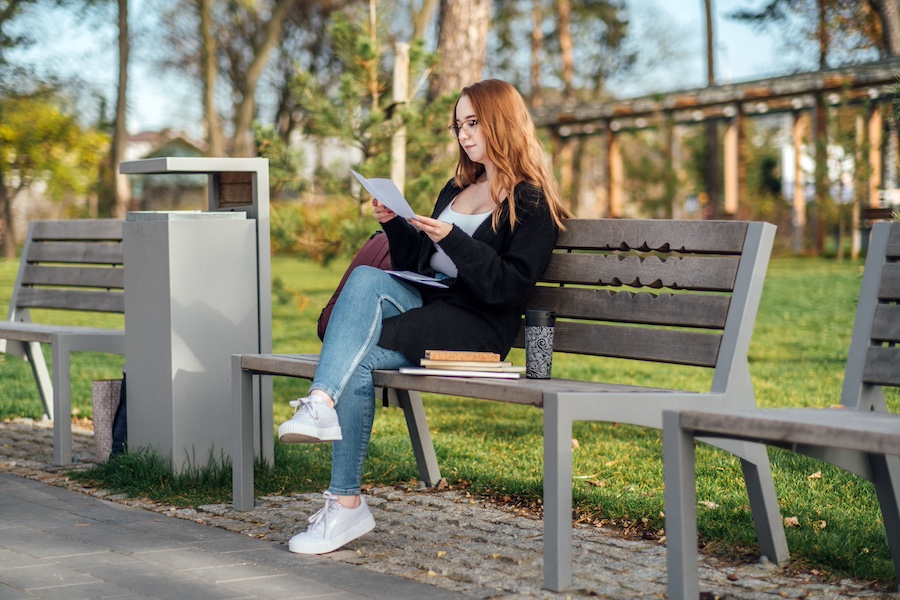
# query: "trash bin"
190, 302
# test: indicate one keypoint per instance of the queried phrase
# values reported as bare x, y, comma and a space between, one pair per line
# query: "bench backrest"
70, 265
874, 357
682, 292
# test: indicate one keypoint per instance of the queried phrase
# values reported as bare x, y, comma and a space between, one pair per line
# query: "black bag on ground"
120, 424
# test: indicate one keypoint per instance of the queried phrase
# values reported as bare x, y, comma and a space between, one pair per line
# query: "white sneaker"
313, 421
333, 526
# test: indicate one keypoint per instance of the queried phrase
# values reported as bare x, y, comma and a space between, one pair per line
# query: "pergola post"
615, 171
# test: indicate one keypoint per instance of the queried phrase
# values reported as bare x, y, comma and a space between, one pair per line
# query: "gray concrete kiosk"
197, 289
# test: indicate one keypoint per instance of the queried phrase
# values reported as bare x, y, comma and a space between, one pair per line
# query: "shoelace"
300, 403
321, 517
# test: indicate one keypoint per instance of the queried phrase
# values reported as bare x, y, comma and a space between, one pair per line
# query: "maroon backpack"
374, 253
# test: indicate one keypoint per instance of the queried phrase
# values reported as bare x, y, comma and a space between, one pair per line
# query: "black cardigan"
482, 308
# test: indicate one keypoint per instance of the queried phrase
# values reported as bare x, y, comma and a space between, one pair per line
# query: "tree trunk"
713, 187
537, 44
421, 18
564, 8
823, 35
209, 67
710, 44
462, 45
121, 191
8, 233
889, 11
242, 142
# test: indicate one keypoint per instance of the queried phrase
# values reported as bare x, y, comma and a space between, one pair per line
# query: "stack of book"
464, 364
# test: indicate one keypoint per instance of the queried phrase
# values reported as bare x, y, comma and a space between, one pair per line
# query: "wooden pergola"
804, 95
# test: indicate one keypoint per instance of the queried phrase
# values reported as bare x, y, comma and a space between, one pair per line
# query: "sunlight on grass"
796, 359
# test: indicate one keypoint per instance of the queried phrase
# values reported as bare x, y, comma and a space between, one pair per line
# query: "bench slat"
838, 428
704, 237
515, 391
38, 332
636, 343
893, 247
99, 229
886, 325
882, 365
72, 299
99, 277
62, 252
889, 290
685, 310
687, 273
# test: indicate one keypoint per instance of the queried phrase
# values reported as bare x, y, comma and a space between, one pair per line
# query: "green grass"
796, 359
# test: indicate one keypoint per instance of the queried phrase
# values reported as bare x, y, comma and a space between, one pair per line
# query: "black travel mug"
539, 325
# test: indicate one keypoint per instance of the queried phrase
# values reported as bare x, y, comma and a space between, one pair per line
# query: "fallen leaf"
709, 504
822, 524
610, 463
791, 522
442, 553
816, 475
595, 483
431, 573
442, 484
575, 443
732, 577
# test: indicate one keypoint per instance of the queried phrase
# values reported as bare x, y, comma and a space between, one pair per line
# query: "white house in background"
165, 192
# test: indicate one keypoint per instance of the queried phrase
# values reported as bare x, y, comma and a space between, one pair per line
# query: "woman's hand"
434, 229
381, 212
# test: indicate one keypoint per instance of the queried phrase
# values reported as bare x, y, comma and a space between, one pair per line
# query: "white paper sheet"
387, 192
418, 278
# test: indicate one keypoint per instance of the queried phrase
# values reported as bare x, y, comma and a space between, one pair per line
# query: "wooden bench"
66, 265
861, 436
668, 292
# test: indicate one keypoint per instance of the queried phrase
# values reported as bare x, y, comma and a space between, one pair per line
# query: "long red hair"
512, 145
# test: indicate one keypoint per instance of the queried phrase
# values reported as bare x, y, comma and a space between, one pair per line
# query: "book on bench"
462, 355
470, 365
459, 373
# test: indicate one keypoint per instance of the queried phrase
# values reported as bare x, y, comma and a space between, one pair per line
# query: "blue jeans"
350, 353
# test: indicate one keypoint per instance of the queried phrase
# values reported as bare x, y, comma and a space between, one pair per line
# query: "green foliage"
285, 162
42, 141
358, 111
648, 175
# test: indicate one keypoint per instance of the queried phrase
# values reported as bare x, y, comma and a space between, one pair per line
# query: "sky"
159, 101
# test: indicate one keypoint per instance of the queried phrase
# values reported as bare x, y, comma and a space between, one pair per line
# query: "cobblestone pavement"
449, 539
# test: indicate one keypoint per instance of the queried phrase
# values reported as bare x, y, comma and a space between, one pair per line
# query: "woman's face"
471, 135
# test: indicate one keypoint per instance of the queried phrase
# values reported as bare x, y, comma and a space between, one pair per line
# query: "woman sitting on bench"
489, 238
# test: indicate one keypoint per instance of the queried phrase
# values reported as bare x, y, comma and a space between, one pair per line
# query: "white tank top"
440, 262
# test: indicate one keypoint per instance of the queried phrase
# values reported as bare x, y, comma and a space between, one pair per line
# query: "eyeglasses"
467, 126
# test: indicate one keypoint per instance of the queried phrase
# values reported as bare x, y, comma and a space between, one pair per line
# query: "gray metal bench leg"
242, 422
41, 376
62, 401
764, 504
886, 477
420, 436
681, 510
557, 496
